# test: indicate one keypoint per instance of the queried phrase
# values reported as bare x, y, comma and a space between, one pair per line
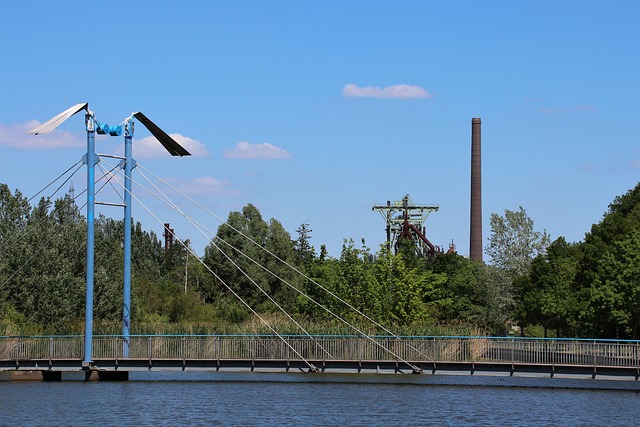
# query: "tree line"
255, 267
589, 288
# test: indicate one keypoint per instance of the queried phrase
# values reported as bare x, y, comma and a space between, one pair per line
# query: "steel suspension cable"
109, 180
265, 293
46, 243
244, 273
51, 183
355, 328
19, 236
310, 365
377, 324
38, 250
293, 287
202, 230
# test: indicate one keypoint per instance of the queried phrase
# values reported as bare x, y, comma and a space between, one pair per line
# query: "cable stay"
110, 174
293, 268
19, 236
201, 228
198, 226
99, 190
36, 252
312, 368
170, 203
44, 245
216, 242
355, 328
79, 162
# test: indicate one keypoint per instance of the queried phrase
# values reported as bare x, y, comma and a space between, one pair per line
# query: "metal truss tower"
405, 219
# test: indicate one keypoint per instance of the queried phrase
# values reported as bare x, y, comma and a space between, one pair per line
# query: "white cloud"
397, 91
203, 185
150, 147
14, 135
245, 150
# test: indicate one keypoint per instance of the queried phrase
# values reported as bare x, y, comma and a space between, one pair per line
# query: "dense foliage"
589, 288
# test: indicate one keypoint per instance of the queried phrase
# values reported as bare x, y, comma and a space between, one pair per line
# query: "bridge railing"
416, 349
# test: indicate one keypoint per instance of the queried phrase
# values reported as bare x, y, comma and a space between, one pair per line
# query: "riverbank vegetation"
556, 288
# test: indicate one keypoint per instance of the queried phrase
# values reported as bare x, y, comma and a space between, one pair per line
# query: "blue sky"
315, 111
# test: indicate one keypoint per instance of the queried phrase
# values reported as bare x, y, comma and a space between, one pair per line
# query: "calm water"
149, 401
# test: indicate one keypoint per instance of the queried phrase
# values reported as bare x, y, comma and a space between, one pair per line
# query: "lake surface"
255, 400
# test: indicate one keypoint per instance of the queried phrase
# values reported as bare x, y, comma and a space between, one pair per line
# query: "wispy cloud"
245, 150
401, 91
14, 135
202, 186
149, 146
571, 109
588, 167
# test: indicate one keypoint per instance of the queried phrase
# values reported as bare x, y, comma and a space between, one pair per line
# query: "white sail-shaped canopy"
59, 119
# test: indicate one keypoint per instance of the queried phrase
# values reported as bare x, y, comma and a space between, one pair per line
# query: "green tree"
408, 292
357, 285
614, 297
514, 242
242, 257
495, 298
109, 264
324, 279
605, 278
459, 298
279, 260
305, 253
548, 297
49, 288
14, 216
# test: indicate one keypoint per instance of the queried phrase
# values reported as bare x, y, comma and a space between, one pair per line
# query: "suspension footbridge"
113, 357
50, 357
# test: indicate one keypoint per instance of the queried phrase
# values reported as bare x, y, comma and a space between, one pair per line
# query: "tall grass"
278, 322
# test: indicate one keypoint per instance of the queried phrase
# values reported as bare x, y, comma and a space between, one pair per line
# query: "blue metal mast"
91, 159
91, 163
128, 167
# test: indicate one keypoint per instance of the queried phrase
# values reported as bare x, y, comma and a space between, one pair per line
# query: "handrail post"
513, 344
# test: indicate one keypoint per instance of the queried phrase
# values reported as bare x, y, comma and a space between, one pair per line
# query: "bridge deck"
333, 354
330, 366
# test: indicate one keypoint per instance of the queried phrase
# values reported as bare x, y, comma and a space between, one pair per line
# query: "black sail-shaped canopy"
167, 142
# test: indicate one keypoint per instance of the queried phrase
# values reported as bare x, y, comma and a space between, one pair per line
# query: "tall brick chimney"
475, 243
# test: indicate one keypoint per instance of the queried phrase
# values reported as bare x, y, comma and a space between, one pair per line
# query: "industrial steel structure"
405, 220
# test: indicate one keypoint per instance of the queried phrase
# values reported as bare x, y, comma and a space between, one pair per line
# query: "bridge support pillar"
35, 376
94, 375
52, 375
